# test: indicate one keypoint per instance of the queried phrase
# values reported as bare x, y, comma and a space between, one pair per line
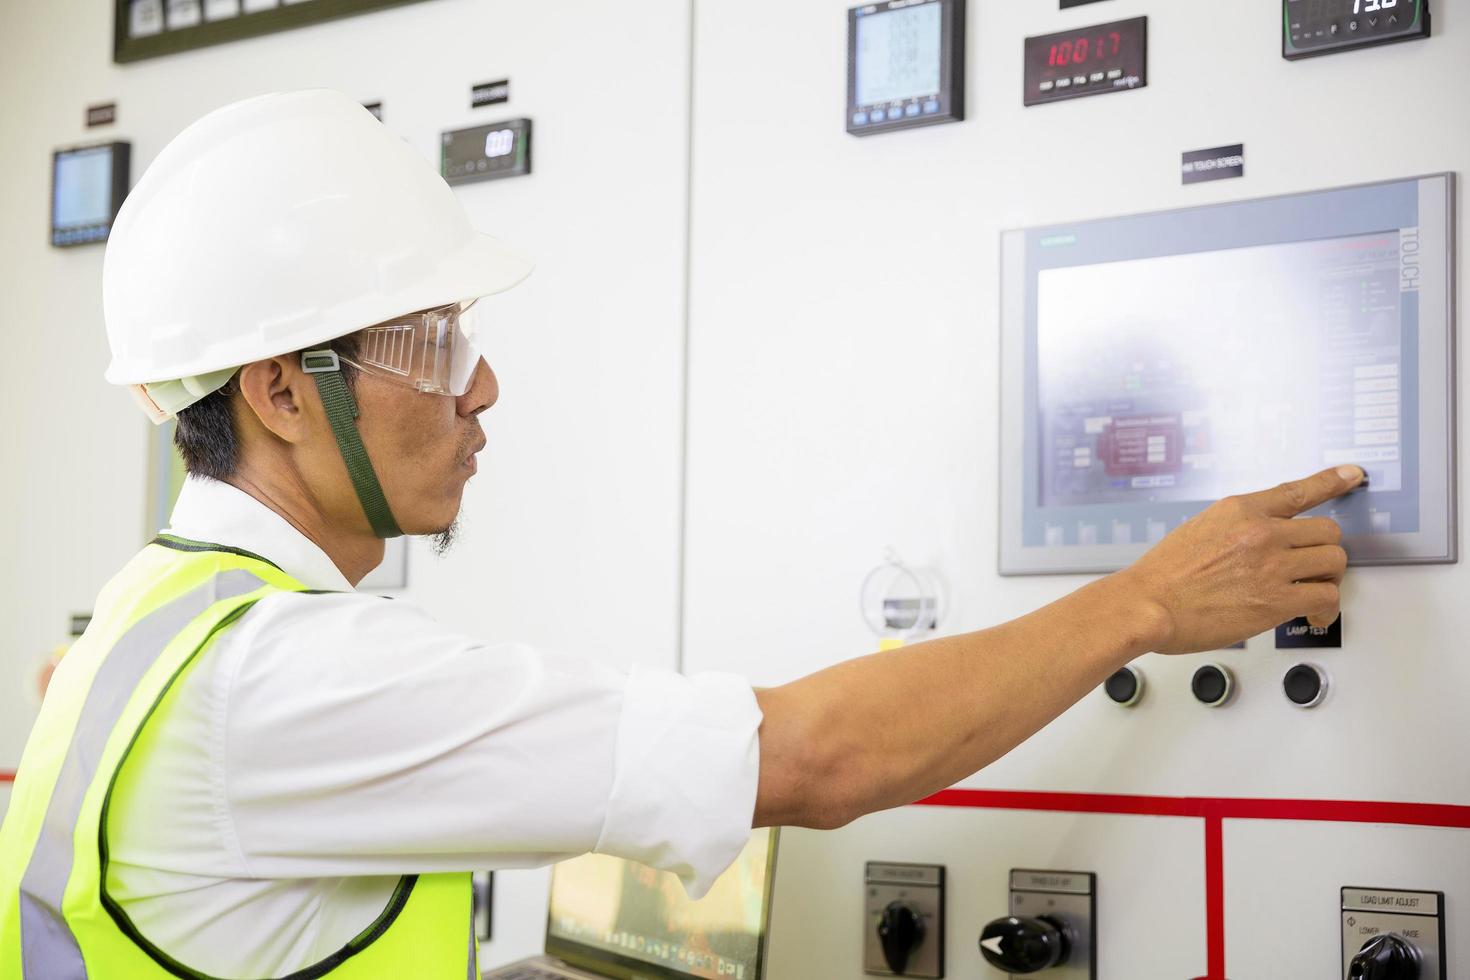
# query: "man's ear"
275, 390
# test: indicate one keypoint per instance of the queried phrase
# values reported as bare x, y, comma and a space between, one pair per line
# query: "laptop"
611, 918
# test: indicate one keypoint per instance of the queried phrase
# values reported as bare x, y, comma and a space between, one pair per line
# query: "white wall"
571, 530
843, 398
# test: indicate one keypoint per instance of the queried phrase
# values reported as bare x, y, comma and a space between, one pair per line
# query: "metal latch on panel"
1052, 926
903, 920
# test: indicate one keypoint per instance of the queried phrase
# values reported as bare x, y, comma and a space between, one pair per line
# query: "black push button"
1305, 685
1212, 685
1125, 687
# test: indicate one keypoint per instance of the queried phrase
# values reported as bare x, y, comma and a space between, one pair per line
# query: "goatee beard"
441, 541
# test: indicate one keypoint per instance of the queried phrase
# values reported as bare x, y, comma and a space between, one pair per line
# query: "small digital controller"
905, 65
88, 184
1086, 61
488, 152
1313, 27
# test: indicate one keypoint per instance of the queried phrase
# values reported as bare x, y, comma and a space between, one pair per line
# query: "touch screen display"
1169, 360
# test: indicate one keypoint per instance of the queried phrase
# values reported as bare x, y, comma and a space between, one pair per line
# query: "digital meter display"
487, 152
88, 185
905, 65
1312, 27
1087, 61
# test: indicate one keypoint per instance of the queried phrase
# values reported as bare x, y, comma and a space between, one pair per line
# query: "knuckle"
1339, 558
1294, 494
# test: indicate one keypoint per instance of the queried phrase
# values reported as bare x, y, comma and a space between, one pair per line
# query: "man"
244, 768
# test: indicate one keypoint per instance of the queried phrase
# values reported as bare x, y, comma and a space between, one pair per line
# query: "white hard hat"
277, 223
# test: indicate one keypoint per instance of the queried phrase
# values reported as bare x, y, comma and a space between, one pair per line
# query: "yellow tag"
889, 643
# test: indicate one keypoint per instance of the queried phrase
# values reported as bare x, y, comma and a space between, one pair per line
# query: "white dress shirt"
324, 745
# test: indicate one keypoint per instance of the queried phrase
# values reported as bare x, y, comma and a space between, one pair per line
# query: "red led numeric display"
1087, 61
1084, 49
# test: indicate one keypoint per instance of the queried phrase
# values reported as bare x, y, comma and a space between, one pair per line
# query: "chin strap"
326, 370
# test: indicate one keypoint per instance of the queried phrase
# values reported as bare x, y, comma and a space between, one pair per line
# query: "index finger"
1291, 498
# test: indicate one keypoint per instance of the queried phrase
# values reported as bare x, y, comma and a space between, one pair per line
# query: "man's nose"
484, 391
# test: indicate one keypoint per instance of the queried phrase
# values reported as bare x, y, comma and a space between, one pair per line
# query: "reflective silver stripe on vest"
47, 947
471, 973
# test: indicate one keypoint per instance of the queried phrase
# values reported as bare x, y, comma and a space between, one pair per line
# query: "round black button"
1125, 687
1305, 685
1212, 685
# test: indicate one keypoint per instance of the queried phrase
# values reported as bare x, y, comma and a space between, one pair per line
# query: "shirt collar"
217, 513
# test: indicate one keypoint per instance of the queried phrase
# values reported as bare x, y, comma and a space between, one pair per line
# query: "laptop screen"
624, 919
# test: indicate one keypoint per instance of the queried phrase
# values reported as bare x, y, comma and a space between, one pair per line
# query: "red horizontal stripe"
999, 799
1225, 808
7, 777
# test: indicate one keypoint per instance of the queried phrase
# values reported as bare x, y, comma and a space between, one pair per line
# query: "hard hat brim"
483, 266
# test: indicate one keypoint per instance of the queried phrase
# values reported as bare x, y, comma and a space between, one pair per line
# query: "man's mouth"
470, 462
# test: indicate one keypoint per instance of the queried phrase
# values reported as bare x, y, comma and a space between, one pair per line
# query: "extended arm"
884, 730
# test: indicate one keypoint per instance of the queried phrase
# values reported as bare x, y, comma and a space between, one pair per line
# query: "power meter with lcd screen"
488, 152
88, 185
905, 65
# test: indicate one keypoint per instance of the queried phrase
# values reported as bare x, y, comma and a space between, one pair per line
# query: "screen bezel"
121, 154
1436, 542
621, 967
951, 68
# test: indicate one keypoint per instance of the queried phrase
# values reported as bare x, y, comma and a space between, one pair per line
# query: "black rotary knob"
900, 931
1386, 957
1017, 944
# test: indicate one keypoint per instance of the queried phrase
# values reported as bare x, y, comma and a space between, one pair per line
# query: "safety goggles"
433, 351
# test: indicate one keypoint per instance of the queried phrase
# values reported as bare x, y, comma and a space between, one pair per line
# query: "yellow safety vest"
95, 732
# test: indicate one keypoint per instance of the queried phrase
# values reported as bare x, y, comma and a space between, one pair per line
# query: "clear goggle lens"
433, 351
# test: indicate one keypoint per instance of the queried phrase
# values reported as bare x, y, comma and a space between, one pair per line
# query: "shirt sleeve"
360, 737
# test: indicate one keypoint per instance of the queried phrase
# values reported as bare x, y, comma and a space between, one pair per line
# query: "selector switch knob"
1018, 944
1125, 687
1386, 957
1212, 685
1305, 685
900, 931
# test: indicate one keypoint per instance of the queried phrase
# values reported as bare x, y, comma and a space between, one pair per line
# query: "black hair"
205, 432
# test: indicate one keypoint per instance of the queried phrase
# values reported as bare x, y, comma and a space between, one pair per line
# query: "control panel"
903, 920
1390, 934
1312, 27
1051, 928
